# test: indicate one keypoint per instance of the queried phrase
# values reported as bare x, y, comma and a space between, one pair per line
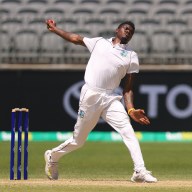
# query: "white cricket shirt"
108, 63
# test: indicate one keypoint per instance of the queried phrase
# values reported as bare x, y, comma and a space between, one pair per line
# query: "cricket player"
111, 60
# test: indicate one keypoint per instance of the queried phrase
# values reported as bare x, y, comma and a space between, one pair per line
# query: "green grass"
104, 162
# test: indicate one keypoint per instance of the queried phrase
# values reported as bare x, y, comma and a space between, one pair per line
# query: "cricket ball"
50, 21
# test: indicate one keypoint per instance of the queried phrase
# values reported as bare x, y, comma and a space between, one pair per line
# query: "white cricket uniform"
107, 65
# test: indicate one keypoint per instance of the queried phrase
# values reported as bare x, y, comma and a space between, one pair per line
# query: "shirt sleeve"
90, 42
134, 64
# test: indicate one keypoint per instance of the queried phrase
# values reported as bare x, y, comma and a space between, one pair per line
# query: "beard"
124, 40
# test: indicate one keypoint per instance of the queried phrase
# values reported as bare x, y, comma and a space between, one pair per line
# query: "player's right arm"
68, 36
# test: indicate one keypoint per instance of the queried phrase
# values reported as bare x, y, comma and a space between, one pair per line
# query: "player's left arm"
137, 115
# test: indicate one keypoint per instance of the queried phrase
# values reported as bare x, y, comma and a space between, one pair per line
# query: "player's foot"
143, 176
51, 168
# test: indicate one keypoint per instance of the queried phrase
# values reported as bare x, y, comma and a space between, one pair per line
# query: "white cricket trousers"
95, 103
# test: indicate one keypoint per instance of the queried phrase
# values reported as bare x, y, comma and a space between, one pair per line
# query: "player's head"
125, 31
128, 23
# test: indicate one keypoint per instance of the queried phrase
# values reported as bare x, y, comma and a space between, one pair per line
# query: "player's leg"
80, 134
81, 130
116, 116
88, 116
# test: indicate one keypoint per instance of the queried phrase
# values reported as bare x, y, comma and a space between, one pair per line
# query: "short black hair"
128, 23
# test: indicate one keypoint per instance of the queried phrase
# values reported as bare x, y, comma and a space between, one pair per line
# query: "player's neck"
116, 41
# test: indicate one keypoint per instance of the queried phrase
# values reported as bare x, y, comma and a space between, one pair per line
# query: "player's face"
125, 33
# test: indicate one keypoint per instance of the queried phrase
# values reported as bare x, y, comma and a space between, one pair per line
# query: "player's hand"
139, 116
50, 24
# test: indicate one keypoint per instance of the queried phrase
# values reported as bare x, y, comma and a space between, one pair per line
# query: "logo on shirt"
81, 113
124, 53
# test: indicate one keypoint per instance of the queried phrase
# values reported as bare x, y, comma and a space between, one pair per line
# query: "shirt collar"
124, 46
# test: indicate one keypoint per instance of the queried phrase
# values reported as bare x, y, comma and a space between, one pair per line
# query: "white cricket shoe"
51, 168
143, 176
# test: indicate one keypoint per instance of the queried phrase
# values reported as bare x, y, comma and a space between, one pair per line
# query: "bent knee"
78, 144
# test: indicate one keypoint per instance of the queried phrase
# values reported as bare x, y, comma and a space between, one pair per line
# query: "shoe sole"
132, 180
142, 181
46, 165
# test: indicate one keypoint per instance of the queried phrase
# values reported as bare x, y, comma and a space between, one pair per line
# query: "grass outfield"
103, 167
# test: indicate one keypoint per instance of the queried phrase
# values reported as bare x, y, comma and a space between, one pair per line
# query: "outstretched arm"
137, 115
71, 37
